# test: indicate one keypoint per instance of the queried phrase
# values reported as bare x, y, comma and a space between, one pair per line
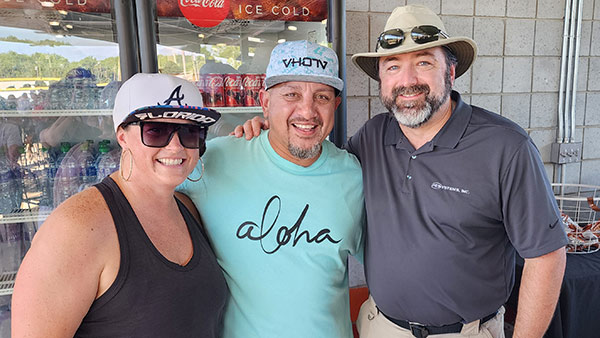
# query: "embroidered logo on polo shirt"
439, 186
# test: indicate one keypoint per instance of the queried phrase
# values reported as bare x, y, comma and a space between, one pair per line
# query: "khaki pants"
372, 324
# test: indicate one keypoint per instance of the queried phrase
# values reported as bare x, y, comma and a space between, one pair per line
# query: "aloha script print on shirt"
272, 236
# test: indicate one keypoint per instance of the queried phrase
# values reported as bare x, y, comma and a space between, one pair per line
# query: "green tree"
12, 38
171, 67
89, 63
108, 70
12, 65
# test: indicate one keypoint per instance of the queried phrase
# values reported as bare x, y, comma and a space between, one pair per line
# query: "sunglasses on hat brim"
420, 34
159, 134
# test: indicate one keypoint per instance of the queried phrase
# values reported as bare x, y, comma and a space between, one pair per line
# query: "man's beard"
414, 114
306, 153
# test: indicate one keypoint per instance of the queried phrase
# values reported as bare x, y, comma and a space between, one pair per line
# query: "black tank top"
152, 296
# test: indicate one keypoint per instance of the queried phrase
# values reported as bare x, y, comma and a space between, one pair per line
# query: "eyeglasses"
159, 134
420, 35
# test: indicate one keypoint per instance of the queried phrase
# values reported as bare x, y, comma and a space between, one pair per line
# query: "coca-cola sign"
233, 81
202, 3
205, 13
286, 10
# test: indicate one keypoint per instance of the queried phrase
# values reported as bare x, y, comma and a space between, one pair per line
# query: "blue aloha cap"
303, 61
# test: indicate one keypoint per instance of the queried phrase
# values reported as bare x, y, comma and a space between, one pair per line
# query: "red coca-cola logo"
263, 79
214, 82
233, 81
204, 13
251, 82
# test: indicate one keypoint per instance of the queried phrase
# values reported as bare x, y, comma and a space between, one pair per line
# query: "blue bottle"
108, 161
87, 166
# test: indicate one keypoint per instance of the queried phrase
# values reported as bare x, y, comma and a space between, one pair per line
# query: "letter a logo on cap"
175, 96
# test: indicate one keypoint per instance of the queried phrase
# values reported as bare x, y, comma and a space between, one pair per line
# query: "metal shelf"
25, 215
238, 110
52, 113
108, 112
7, 283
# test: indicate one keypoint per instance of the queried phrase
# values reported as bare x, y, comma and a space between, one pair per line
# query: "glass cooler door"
226, 54
59, 72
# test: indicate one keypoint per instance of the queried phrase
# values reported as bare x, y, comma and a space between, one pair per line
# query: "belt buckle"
418, 330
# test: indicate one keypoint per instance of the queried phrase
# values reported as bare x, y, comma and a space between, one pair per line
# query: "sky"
80, 48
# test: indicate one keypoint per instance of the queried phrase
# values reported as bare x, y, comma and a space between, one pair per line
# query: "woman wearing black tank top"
126, 258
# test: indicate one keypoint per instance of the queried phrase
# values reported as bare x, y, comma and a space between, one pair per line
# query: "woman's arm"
64, 270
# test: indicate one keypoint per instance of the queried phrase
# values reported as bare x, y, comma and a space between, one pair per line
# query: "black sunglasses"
159, 134
420, 34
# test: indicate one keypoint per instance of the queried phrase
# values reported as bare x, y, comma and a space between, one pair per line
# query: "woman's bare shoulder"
83, 216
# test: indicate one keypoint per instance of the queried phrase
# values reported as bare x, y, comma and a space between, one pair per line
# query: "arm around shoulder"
251, 128
61, 274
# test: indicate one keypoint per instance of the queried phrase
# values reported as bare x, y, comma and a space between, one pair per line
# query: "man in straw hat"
285, 210
452, 191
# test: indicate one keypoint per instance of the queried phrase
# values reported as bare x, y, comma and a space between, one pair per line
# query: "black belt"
422, 331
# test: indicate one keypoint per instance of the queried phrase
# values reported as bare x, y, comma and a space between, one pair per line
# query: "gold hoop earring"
130, 164
201, 174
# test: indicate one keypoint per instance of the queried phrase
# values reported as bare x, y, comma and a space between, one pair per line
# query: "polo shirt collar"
393, 134
447, 137
456, 125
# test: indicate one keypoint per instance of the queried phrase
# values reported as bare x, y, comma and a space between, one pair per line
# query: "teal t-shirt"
282, 234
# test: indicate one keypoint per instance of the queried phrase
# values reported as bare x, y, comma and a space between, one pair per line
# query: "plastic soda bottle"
45, 177
7, 187
87, 166
68, 177
108, 161
11, 237
28, 231
26, 172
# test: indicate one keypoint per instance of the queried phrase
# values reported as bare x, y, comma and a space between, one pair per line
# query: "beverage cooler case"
61, 67
50, 150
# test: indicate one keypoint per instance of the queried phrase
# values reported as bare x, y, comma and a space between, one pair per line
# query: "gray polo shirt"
443, 221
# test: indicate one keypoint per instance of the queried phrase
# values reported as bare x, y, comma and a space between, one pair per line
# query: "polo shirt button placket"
408, 182
414, 157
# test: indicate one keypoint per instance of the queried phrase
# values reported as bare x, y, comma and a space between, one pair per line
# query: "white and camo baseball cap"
155, 96
303, 61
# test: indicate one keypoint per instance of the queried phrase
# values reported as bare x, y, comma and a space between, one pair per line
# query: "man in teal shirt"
284, 210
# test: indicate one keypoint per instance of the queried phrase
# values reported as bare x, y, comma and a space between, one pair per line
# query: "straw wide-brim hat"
406, 18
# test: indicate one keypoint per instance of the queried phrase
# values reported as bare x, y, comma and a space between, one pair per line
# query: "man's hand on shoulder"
251, 128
